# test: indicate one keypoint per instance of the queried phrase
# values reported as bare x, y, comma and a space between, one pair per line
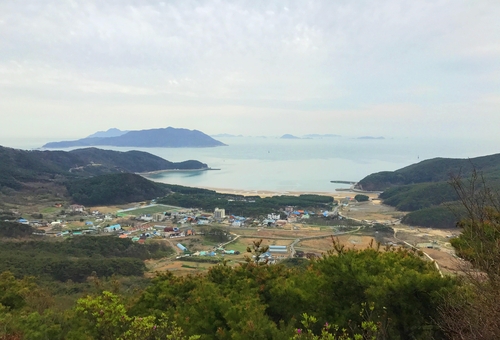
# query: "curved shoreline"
173, 170
268, 193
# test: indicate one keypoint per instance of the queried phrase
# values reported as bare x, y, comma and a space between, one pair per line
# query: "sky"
382, 68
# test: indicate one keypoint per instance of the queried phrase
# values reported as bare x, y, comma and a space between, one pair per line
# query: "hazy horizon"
389, 68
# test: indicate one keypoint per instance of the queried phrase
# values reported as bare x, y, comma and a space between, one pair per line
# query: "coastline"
173, 170
268, 193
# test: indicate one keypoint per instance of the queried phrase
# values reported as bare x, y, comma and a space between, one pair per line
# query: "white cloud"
322, 59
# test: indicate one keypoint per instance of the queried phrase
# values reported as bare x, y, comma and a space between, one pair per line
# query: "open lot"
322, 245
148, 210
372, 211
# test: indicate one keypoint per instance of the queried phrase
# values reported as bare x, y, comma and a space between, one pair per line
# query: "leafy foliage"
419, 196
361, 198
114, 189
431, 170
441, 216
77, 258
19, 166
243, 205
14, 230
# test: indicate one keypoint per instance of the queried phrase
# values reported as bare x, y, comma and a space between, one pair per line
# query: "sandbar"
269, 193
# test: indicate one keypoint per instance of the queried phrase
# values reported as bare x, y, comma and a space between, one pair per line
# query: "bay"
301, 165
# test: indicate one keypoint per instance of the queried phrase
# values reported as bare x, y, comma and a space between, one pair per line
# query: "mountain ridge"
18, 167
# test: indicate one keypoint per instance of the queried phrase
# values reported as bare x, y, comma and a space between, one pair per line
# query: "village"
212, 237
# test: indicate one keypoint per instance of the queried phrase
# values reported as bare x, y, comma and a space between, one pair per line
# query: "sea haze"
283, 165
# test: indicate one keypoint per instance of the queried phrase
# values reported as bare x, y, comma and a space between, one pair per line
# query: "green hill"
114, 189
431, 170
18, 167
425, 191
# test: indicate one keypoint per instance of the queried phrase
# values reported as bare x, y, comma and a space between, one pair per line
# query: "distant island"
370, 137
288, 136
161, 138
315, 135
113, 132
225, 135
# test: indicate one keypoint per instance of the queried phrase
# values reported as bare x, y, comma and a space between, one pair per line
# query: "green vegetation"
471, 312
77, 258
346, 294
217, 235
425, 190
243, 206
361, 198
442, 216
19, 167
15, 230
432, 170
114, 189
419, 196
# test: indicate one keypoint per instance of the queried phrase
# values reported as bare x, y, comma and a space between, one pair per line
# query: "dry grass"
325, 244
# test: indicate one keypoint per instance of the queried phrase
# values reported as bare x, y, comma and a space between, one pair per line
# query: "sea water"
301, 165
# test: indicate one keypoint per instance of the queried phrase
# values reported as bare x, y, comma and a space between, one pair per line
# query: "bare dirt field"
447, 262
373, 211
264, 232
322, 245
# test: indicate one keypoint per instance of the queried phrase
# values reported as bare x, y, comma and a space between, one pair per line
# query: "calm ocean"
282, 165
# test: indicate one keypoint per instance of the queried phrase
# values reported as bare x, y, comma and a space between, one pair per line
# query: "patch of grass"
240, 245
188, 266
50, 210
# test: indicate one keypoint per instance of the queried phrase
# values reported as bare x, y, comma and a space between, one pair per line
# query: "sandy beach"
265, 193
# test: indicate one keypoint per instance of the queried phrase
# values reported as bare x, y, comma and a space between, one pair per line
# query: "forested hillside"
75, 258
432, 170
242, 205
114, 189
391, 295
424, 188
20, 166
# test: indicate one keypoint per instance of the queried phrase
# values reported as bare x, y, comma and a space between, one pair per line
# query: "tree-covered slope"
419, 196
21, 166
114, 189
133, 161
431, 170
424, 188
442, 216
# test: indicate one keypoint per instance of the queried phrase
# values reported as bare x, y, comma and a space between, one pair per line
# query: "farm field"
322, 245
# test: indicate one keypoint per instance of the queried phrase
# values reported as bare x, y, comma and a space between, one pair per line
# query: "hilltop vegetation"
18, 167
76, 258
396, 293
432, 170
425, 191
114, 189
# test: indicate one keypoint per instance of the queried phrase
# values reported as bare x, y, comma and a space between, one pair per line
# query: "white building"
219, 214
